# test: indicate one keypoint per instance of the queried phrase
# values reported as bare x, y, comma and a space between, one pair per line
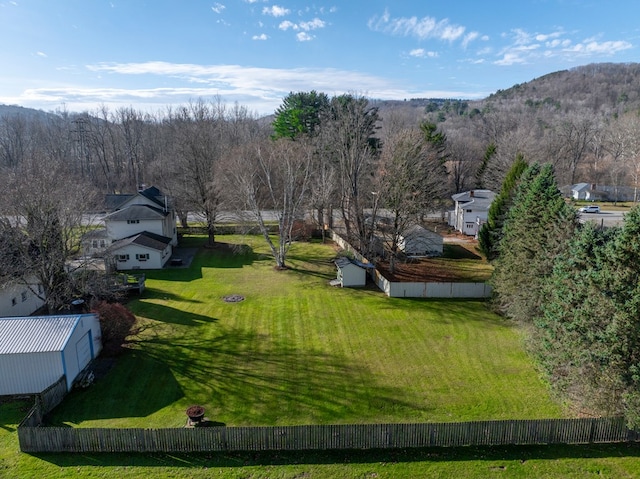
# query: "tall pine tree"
536, 229
491, 232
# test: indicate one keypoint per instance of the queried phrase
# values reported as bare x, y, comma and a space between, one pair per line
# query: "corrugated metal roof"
35, 334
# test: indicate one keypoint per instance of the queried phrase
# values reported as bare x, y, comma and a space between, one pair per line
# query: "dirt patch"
418, 271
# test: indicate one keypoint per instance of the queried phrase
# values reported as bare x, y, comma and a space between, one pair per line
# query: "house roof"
476, 199
417, 230
581, 187
36, 334
343, 262
136, 212
115, 201
145, 239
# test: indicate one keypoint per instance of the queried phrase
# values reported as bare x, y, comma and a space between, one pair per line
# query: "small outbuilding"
419, 241
35, 351
350, 273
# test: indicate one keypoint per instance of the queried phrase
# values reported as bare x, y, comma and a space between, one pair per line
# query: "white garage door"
83, 351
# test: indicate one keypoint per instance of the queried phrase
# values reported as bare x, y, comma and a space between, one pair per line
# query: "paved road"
604, 218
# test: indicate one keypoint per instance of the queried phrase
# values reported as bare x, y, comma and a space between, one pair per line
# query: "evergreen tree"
622, 284
588, 335
536, 229
299, 114
573, 338
491, 232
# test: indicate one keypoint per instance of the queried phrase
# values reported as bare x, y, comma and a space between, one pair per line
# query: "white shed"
419, 241
350, 273
35, 351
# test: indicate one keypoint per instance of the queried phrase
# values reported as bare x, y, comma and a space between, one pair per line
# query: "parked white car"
590, 209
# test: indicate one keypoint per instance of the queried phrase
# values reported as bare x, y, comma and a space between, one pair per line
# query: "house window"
469, 211
14, 301
123, 257
133, 222
103, 243
142, 256
94, 243
469, 226
40, 289
23, 296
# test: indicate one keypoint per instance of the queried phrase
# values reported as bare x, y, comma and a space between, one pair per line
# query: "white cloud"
510, 58
276, 11
468, 38
422, 53
305, 26
258, 88
262, 36
312, 25
304, 37
422, 28
41, 54
218, 7
600, 48
286, 25
526, 47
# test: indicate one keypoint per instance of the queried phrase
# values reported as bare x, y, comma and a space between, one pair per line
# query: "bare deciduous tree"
44, 212
273, 176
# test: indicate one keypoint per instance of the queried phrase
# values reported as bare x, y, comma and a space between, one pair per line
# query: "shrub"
117, 323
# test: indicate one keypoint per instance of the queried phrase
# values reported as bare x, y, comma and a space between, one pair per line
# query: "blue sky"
82, 54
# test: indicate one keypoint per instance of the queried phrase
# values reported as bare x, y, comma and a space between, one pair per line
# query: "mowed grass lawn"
299, 351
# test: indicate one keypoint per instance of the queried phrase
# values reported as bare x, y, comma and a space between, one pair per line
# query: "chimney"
593, 186
472, 193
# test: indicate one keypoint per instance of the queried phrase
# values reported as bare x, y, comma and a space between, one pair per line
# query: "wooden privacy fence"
295, 438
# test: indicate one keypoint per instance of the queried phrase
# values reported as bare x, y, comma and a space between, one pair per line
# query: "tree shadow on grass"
252, 379
169, 315
452, 310
154, 293
240, 378
226, 255
386, 458
137, 386
456, 251
223, 255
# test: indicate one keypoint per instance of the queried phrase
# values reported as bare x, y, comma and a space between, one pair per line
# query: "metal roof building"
35, 351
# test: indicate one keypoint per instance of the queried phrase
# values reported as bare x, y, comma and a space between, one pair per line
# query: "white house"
471, 210
140, 232
141, 251
136, 218
36, 351
593, 192
350, 273
419, 241
19, 299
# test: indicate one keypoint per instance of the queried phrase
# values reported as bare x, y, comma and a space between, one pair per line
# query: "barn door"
83, 351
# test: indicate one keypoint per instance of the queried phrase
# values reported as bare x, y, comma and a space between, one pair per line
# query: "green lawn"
298, 351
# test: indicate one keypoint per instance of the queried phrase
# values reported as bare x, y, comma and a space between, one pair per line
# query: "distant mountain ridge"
601, 87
